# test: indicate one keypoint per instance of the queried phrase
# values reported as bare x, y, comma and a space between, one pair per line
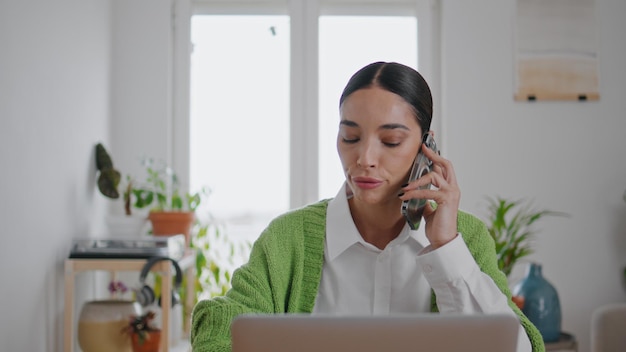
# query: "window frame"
304, 14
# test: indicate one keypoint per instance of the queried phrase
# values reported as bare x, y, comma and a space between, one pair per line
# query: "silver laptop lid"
417, 332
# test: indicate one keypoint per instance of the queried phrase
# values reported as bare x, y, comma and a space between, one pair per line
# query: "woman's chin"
373, 197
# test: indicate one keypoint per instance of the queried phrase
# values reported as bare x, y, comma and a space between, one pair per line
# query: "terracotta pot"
150, 344
170, 223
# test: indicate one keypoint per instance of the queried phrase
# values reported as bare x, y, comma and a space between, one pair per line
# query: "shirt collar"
341, 232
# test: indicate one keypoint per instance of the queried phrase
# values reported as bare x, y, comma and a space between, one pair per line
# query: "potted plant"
144, 335
172, 211
510, 224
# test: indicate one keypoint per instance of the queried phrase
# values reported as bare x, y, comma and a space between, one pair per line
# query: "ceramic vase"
541, 302
100, 325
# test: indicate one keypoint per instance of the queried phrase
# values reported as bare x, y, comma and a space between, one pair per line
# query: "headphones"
145, 294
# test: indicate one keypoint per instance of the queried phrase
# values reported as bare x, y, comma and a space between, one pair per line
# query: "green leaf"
143, 198
177, 201
108, 180
103, 159
193, 201
509, 223
200, 262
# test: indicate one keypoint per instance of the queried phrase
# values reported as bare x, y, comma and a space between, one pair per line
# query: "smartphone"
413, 209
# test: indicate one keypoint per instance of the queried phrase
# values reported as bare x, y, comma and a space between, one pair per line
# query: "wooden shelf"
186, 263
566, 342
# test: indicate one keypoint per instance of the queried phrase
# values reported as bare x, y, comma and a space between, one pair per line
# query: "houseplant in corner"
510, 223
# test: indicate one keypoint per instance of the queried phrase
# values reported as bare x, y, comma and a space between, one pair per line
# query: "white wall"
54, 106
141, 82
568, 156
69, 68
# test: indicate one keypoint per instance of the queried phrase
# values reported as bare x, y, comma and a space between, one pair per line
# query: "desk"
566, 342
73, 266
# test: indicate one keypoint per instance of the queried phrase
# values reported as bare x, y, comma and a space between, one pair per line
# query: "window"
347, 43
265, 79
239, 120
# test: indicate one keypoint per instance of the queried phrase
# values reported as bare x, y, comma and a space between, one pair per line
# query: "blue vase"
541, 303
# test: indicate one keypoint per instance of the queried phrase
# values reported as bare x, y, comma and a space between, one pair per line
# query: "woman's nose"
367, 156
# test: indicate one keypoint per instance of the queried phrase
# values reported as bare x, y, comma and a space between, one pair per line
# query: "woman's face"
377, 142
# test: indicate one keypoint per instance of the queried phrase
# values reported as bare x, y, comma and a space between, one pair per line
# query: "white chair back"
608, 328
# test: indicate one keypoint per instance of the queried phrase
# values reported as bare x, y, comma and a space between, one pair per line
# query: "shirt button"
428, 268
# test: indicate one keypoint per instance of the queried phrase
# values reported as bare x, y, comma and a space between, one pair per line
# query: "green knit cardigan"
284, 271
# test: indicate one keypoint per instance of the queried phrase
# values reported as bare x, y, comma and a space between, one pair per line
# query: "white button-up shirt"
361, 279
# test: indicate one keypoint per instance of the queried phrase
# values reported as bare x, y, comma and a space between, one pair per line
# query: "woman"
355, 253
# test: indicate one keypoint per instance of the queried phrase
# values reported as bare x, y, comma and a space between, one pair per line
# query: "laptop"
401, 333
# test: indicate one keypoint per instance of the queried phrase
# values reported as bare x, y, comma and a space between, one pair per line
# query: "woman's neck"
377, 224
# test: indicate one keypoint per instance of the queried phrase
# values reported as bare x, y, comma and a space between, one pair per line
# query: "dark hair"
399, 79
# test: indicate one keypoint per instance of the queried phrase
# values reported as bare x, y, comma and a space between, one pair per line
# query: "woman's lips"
366, 182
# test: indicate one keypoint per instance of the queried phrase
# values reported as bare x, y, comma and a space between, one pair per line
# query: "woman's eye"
391, 144
350, 140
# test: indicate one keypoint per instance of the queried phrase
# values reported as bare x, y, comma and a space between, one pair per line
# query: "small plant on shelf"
171, 210
142, 330
161, 190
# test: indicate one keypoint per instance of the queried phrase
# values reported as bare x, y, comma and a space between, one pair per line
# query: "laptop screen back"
417, 332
